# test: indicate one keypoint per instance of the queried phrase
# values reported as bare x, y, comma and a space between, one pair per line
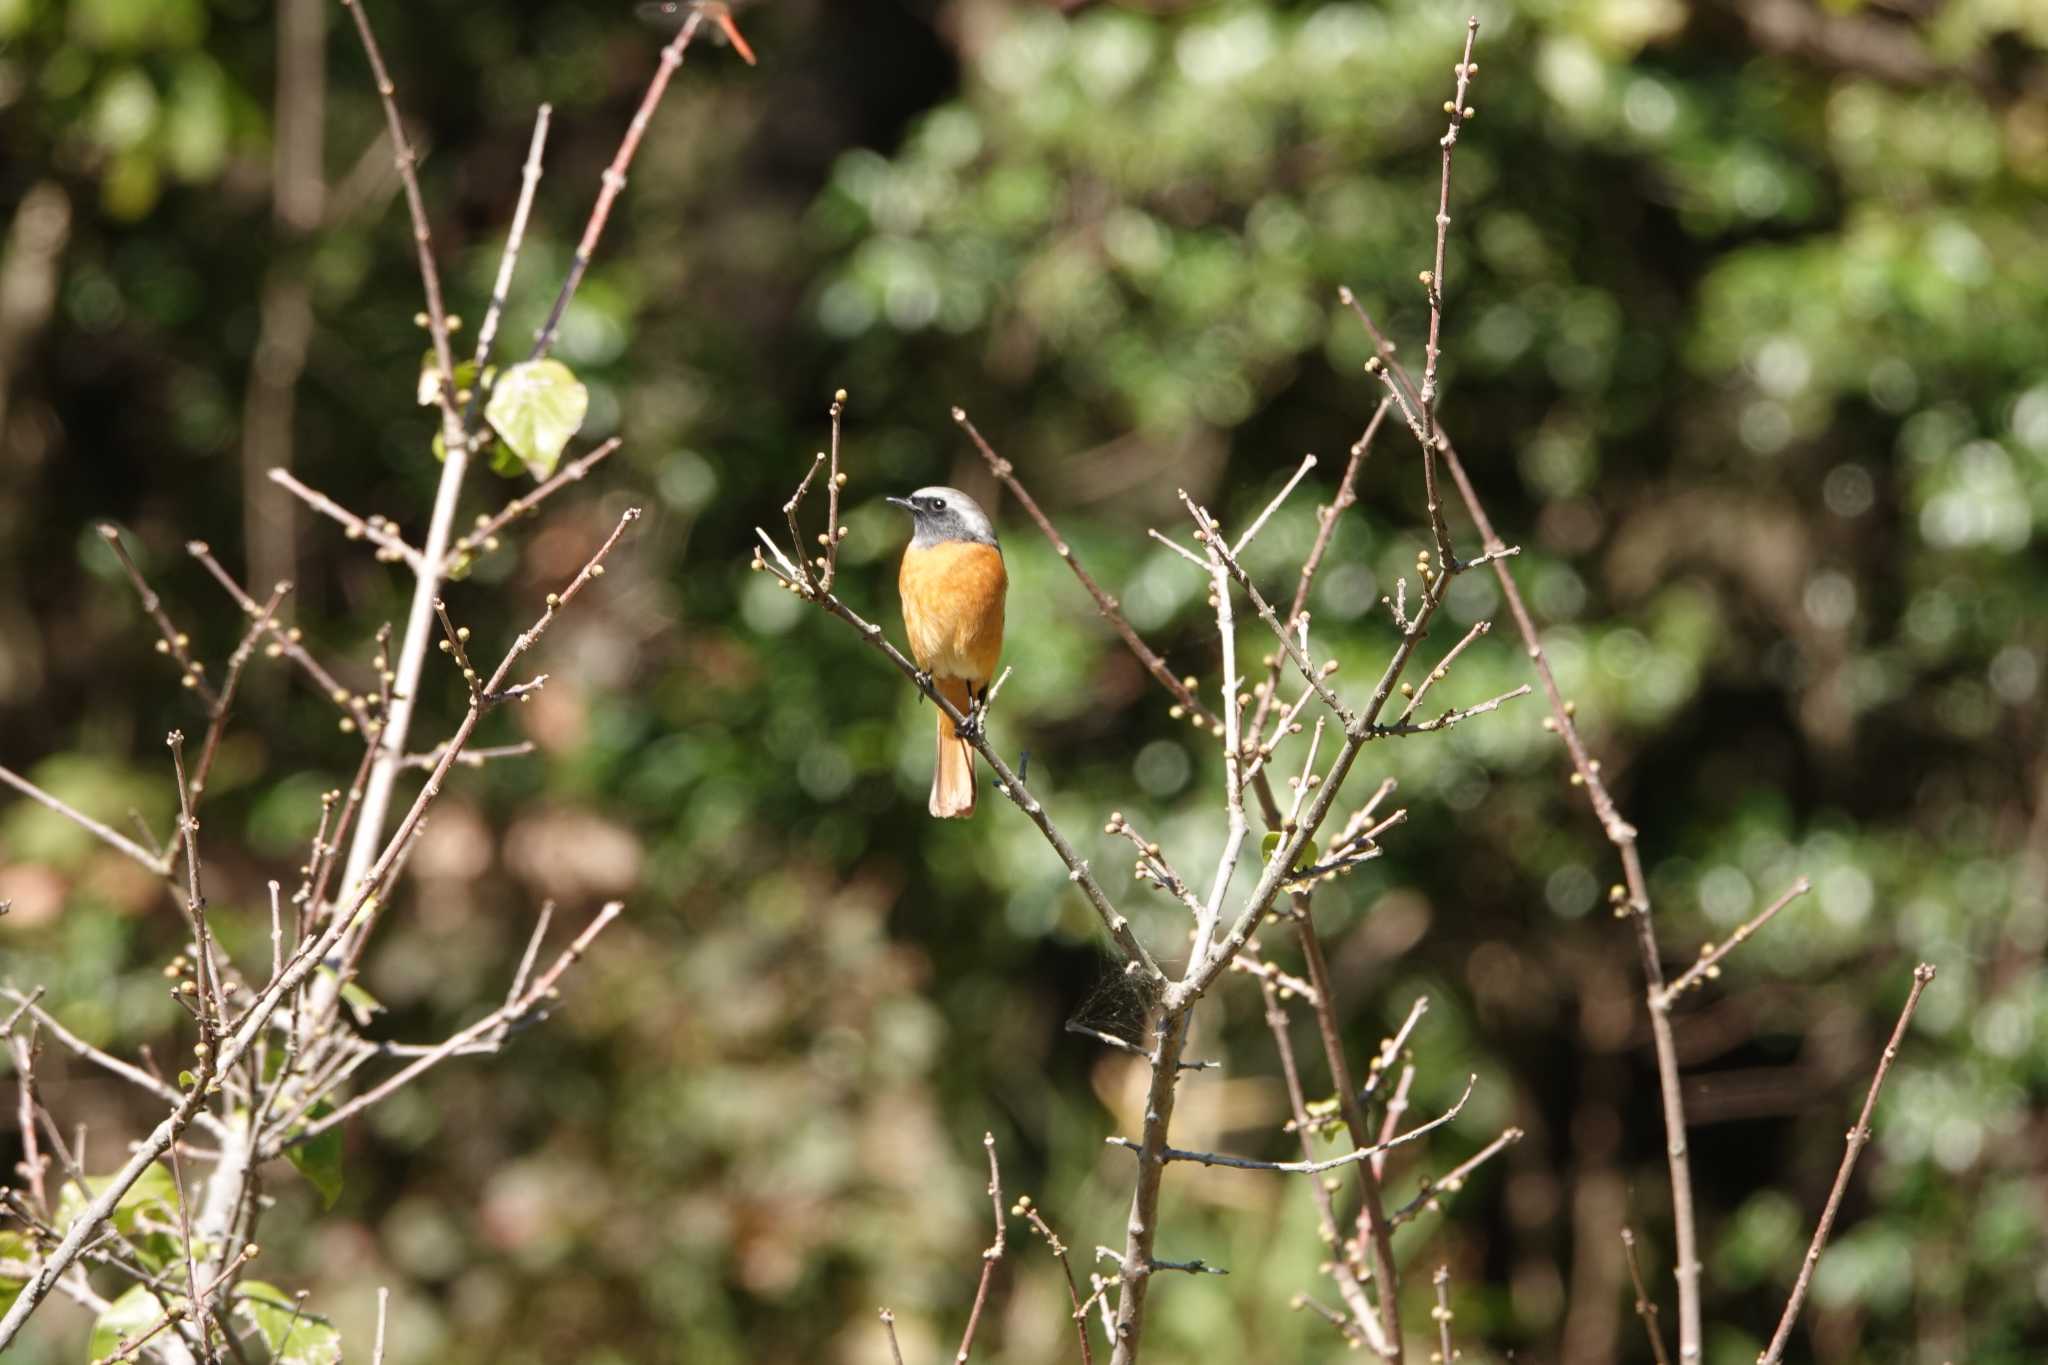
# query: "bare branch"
217, 725
1449, 718
1030, 1212
1646, 1308
1308, 462
1442, 1314
376, 530
1454, 1180
1341, 1266
1107, 605
1442, 670
121, 842
134, 1075
1347, 494
1306, 1167
990, 1258
405, 160
614, 179
1858, 1137
1212, 535
1434, 281
511, 1012
508, 261
471, 758
286, 641
1709, 964
526, 504
170, 640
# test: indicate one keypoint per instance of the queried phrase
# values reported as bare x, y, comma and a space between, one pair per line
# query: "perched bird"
953, 585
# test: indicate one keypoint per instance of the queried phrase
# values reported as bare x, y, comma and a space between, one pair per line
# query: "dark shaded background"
1745, 341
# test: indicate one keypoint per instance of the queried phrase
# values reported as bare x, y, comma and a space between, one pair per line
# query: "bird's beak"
905, 503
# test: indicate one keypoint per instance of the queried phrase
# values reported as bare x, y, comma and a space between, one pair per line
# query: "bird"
953, 584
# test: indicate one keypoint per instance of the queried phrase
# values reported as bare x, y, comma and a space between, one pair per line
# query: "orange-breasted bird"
953, 584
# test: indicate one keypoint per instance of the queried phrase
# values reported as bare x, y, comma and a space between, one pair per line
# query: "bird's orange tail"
953, 778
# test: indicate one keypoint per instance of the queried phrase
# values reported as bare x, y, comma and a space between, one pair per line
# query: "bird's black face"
945, 514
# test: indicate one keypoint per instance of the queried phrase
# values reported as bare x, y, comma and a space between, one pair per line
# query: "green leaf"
430, 378
504, 461
126, 1318
291, 1337
15, 1254
363, 1005
147, 1214
536, 406
1270, 845
319, 1159
150, 1205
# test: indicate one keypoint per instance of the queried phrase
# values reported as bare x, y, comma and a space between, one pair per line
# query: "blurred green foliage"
1746, 317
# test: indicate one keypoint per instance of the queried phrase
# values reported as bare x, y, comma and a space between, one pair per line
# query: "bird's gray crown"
940, 514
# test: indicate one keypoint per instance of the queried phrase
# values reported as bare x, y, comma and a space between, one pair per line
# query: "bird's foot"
973, 728
924, 683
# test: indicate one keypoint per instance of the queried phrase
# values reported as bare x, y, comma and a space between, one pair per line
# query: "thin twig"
1711, 955
1434, 280
383, 1293
1391, 1050
285, 640
509, 1013
1326, 527
1349, 1158
1308, 462
208, 968
1030, 1212
158, 865
1447, 719
405, 160
834, 481
1125, 1045
991, 1258
1211, 535
1453, 1180
1341, 1268
1858, 1137
1646, 1308
1442, 1314
134, 1075
217, 724
614, 180
256, 1018
1443, 668
1106, 604
471, 758
526, 504
376, 530
170, 640
508, 259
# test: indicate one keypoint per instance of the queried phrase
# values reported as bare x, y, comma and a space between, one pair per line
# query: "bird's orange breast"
953, 608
